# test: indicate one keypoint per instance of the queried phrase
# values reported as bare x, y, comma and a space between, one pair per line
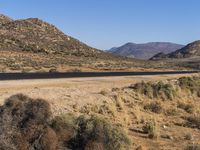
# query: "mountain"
189, 51
146, 50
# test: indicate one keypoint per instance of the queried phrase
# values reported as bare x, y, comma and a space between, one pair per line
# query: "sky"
108, 23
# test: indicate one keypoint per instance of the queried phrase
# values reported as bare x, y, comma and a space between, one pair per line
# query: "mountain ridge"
189, 51
145, 50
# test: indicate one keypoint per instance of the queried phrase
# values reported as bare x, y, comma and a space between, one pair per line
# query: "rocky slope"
189, 51
35, 45
36, 35
145, 51
4, 19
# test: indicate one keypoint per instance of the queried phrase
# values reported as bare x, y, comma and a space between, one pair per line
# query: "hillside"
189, 51
145, 51
35, 45
36, 35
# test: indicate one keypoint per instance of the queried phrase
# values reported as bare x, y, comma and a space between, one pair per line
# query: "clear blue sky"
107, 23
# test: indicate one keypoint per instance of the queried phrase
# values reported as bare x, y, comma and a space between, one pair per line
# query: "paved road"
56, 75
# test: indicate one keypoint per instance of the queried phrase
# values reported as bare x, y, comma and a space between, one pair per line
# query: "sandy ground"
64, 94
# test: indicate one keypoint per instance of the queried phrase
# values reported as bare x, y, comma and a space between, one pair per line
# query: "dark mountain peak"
129, 44
159, 55
190, 50
4, 19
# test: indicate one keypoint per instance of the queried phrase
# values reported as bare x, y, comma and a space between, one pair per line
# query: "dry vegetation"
158, 115
144, 116
28, 124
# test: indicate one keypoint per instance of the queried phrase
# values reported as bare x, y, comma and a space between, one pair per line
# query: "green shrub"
190, 83
165, 91
150, 128
94, 129
65, 126
155, 90
144, 88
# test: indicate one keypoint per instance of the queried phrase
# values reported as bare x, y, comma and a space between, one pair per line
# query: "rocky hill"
145, 51
35, 45
4, 19
189, 51
36, 35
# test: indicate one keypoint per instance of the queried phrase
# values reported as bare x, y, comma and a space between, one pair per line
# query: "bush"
97, 130
190, 83
150, 128
194, 121
155, 90
193, 147
189, 108
144, 88
65, 127
27, 123
24, 124
154, 107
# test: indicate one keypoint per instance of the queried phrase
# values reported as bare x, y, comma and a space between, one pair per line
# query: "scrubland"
142, 113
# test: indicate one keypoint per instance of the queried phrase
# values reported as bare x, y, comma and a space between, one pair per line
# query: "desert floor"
63, 94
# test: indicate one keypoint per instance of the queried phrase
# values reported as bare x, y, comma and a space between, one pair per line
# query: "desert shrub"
189, 108
24, 124
193, 147
144, 88
52, 70
65, 127
155, 90
106, 109
190, 83
104, 92
27, 123
189, 136
150, 128
154, 107
166, 91
171, 112
194, 121
95, 130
